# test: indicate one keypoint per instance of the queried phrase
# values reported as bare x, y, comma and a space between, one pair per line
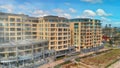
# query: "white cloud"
58, 10
101, 12
39, 13
105, 19
88, 13
64, 15
92, 1
8, 8
72, 10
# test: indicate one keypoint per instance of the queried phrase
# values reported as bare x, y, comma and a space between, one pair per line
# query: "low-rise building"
25, 54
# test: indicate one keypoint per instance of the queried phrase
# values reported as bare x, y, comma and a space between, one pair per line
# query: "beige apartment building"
86, 34
15, 27
56, 30
63, 34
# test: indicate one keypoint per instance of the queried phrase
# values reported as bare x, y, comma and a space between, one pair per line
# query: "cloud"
101, 12
88, 13
104, 19
8, 8
39, 13
72, 10
58, 10
92, 1
65, 15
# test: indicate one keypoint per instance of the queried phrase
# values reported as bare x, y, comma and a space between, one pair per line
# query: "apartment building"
25, 54
15, 27
86, 34
56, 30
63, 34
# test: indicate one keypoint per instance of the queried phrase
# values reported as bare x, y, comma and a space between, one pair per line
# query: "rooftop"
83, 20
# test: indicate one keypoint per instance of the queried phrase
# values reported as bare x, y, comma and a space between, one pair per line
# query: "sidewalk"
52, 64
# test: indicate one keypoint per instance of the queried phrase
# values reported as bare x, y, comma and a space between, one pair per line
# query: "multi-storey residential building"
56, 30
63, 34
17, 27
86, 34
25, 54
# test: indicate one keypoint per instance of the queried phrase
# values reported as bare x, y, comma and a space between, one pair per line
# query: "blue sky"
105, 10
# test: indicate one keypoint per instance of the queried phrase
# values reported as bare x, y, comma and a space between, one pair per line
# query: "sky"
105, 10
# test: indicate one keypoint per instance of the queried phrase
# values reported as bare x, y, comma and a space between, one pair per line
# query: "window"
11, 54
12, 34
21, 48
52, 25
18, 33
18, 24
76, 25
18, 38
12, 19
2, 55
12, 24
18, 29
11, 49
1, 24
18, 19
2, 49
1, 29
34, 25
59, 47
12, 29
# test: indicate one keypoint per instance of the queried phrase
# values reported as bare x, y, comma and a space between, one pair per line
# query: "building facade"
15, 27
86, 34
64, 35
25, 54
56, 30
